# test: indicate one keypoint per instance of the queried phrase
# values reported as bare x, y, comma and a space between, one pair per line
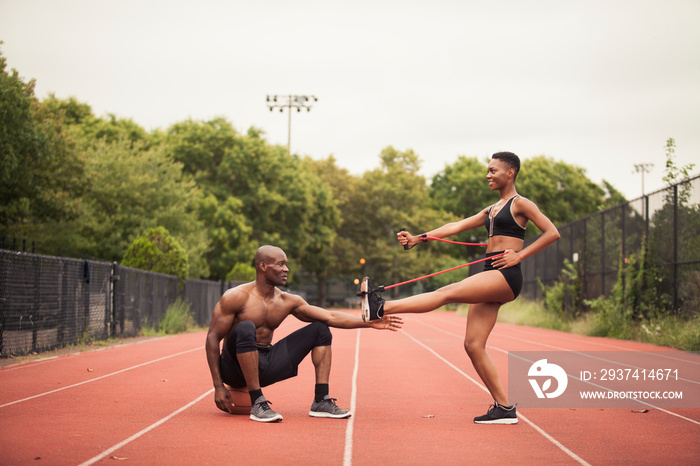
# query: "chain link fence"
668, 221
48, 302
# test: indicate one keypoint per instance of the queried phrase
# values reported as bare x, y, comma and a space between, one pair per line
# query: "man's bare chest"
265, 314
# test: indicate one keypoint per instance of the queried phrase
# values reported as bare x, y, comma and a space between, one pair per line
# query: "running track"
414, 394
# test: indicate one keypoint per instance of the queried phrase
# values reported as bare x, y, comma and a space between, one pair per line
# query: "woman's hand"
407, 239
508, 259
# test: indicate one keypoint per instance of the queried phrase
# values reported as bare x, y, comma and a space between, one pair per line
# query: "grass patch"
177, 319
523, 312
668, 331
533, 314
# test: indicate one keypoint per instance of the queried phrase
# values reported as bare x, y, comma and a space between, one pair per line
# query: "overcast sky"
600, 84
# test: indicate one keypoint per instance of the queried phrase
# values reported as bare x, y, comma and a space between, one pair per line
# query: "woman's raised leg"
489, 286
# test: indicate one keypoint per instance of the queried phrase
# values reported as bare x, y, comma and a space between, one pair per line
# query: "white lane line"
659, 354
588, 341
146, 430
582, 353
43, 360
520, 416
347, 454
100, 377
22, 365
495, 348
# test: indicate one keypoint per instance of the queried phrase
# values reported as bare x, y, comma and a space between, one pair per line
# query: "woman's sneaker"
261, 412
328, 408
498, 414
372, 303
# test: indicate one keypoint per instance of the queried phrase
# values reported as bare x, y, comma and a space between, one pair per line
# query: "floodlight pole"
289, 102
643, 168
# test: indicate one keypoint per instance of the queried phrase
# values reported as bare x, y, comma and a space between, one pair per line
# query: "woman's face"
498, 174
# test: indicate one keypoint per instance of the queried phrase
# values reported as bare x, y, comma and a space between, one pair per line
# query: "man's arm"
308, 313
221, 323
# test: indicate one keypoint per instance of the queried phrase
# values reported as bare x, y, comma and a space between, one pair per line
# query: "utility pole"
289, 102
643, 168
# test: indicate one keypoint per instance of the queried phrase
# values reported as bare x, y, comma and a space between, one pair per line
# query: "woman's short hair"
510, 159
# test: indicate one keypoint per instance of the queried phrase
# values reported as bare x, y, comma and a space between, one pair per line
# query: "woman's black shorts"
513, 275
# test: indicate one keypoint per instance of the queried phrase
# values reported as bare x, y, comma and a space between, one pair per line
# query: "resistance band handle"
405, 246
424, 239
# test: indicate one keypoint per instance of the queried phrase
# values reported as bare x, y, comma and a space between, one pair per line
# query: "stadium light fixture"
290, 101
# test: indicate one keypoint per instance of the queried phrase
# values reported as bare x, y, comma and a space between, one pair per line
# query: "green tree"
131, 189
229, 233
112, 129
461, 188
562, 191
74, 112
241, 272
387, 199
613, 197
339, 258
345, 253
87, 129
285, 203
201, 146
271, 197
41, 173
157, 251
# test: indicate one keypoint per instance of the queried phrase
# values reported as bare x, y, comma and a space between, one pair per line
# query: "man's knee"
244, 334
322, 334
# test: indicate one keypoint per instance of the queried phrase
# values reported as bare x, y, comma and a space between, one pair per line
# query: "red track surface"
413, 395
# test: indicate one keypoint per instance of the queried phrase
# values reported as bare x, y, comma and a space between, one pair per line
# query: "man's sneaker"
328, 408
261, 412
498, 414
372, 303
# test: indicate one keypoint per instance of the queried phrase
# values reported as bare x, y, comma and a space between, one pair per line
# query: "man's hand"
392, 323
223, 399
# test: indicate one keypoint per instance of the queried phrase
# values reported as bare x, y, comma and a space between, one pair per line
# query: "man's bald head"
268, 254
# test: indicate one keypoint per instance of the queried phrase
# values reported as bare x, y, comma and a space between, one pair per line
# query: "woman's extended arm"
448, 229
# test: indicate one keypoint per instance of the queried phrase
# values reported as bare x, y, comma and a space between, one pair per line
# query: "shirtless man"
246, 318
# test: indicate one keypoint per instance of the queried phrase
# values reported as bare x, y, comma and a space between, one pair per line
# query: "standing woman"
499, 283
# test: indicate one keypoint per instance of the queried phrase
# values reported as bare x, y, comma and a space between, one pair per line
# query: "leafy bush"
666, 330
563, 297
177, 318
531, 313
158, 251
637, 309
241, 273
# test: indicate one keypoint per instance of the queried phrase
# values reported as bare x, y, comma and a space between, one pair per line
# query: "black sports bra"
503, 223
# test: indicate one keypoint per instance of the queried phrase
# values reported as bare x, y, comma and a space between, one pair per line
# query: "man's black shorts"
276, 362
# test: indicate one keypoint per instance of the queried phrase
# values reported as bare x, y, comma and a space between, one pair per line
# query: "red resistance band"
434, 238
382, 288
